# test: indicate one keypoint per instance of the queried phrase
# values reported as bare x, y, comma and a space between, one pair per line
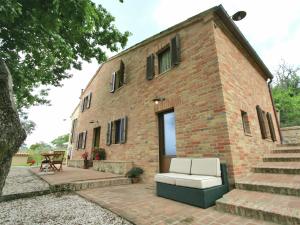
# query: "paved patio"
70, 174
139, 204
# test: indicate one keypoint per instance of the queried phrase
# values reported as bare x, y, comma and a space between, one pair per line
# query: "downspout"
275, 113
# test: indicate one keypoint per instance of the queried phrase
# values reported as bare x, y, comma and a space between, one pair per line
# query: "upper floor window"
164, 60
118, 78
86, 102
168, 57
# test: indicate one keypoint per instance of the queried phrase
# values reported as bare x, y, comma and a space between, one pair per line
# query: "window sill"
248, 134
163, 73
119, 88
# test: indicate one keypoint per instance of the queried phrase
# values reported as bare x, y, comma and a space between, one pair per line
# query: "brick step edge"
97, 184
15, 196
268, 189
286, 151
276, 170
281, 159
256, 214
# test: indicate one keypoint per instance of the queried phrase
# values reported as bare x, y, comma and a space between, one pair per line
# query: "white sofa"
190, 179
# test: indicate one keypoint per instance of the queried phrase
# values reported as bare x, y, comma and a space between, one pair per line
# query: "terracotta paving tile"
70, 174
139, 204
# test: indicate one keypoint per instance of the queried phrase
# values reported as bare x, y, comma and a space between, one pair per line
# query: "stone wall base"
116, 167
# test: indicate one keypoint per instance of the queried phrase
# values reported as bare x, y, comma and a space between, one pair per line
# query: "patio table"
48, 160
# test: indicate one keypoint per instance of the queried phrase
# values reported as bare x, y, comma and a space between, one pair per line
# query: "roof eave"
228, 22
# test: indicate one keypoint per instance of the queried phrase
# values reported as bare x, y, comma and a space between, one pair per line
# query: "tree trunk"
12, 134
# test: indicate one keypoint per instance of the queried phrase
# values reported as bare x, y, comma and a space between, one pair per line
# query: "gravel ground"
20, 180
54, 209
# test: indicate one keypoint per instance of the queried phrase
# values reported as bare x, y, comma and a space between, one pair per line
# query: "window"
118, 78
81, 140
86, 103
266, 124
168, 57
74, 124
116, 131
164, 60
246, 124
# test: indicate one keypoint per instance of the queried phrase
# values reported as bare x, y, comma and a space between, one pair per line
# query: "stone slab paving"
21, 180
139, 204
56, 209
70, 174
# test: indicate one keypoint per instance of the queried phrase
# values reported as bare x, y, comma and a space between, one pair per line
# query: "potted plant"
134, 173
99, 154
85, 160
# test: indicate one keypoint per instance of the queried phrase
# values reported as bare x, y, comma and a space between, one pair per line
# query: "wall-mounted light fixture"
94, 121
157, 99
239, 15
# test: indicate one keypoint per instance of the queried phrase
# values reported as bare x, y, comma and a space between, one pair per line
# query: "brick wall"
244, 86
291, 135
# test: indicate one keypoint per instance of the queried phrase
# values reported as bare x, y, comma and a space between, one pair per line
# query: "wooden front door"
167, 139
96, 137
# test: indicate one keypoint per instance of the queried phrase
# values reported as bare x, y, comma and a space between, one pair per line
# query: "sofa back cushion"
206, 166
180, 165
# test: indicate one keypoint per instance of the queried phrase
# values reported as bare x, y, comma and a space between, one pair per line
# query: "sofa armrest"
224, 174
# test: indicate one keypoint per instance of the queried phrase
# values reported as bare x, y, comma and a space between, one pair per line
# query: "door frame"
161, 138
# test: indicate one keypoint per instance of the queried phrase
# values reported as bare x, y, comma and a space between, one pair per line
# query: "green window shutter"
108, 134
121, 73
82, 105
261, 122
150, 67
77, 141
84, 135
123, 130
113, 82
89, 99
175, 50
271, 126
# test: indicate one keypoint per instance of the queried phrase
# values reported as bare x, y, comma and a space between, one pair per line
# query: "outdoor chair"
58, 159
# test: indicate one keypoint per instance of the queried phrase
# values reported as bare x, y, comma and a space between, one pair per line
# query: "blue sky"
271, 27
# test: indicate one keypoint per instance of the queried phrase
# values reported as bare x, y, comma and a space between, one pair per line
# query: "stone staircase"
272, 192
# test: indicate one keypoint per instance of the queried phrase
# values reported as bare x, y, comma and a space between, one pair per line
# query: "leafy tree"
286, 93
40, 147
39, 42
61, 142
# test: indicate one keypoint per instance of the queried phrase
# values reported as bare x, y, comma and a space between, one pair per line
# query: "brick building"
197, 89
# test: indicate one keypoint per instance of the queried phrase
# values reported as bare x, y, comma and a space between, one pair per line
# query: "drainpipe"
275, 113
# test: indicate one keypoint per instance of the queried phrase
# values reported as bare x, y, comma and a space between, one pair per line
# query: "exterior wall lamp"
239, 15
93, 121
157, 99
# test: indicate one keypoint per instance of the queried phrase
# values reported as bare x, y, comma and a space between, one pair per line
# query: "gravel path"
21, 180
53, 209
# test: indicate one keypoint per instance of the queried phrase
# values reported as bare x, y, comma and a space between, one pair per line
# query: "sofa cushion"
206, 167
197, 181
168, 178
180, 165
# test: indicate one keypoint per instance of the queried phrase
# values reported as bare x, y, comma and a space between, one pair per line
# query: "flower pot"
135, 180
85, 164
97, 157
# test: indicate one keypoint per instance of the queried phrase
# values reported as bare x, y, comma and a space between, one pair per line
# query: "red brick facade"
214, 81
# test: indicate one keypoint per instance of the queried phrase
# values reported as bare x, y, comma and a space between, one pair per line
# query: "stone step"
82, 185
282, 157
285, 184
278, 167
288, 145
276, 208
286, 150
